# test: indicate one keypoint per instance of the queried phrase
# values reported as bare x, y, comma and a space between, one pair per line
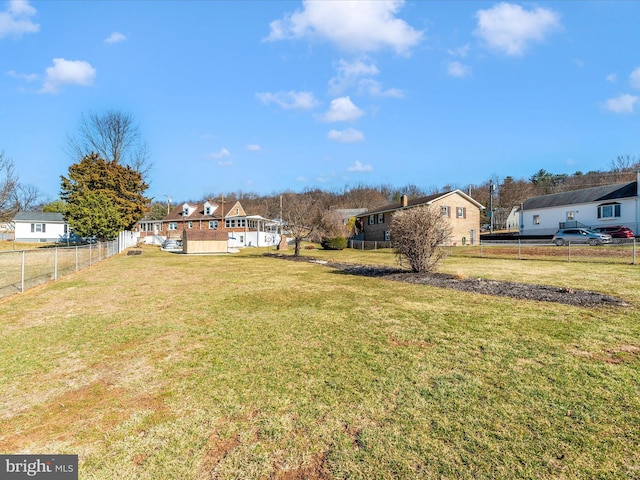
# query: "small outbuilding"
205, 241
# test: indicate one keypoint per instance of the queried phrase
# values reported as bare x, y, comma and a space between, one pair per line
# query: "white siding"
53, 232
586, 214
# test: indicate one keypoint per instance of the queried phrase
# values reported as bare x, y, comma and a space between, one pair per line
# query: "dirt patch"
315, 470
522, 291
614, 356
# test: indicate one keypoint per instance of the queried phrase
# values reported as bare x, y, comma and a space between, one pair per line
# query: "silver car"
580, 235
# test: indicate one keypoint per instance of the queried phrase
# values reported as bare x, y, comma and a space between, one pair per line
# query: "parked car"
616, 231
70, 238
580, 235
170, 244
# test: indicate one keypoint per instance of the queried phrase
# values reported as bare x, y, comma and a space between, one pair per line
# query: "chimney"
404, 201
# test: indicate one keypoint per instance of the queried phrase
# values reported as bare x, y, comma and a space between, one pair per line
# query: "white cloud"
462, 51
457, 69
68, 72
612, 78
221, 154
510, 29
350, 135
349, 74
342, 110
359, 167
374, 88
302, 179
634, 78
351, 25
15, 19
254, 148
115, 37
290, 100
29, 77
225, 163
357, 75
622, 104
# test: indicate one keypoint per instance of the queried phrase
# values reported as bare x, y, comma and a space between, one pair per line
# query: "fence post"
519, 258
55, 263
22, 275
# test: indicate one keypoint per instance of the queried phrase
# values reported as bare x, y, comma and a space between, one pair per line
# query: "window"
213, 225
190, 224
39, 227
230, 223
536, 219
571, 216
387, 236
609, 210
185, 212
461, 212
381, 218
446, 211
173, 226
207, 210
372, 219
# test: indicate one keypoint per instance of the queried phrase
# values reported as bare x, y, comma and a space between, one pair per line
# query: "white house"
617, 204
39, 227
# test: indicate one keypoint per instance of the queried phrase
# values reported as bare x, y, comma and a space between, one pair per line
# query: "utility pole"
492, 187
168, 203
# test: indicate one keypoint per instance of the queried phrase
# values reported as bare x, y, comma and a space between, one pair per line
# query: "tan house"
462, 211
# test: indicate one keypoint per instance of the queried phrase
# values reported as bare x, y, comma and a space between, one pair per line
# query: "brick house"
462, 211
242, 229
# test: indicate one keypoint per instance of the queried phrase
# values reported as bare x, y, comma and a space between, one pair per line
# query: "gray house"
608, 205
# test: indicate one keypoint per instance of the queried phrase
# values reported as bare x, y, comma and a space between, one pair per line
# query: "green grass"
163, 366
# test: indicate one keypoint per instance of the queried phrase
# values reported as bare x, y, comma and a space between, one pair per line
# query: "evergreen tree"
97, 184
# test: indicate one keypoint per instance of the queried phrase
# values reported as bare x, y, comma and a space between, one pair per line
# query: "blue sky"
264, 96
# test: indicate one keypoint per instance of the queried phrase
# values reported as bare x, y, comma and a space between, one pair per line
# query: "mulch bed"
523, 291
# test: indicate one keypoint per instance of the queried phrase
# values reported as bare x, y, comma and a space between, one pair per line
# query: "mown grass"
164, 366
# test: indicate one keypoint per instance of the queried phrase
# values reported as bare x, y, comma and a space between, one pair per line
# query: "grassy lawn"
164, 366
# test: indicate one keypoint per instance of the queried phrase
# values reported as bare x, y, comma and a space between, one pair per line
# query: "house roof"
177, 213
44, 217
198, 235
586, 195
416, 202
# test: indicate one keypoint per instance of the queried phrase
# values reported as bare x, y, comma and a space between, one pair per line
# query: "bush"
417, 235
338, 243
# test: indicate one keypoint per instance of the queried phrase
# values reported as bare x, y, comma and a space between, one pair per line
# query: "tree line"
507, 193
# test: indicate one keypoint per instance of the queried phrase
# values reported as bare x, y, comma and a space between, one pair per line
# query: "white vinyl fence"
24, 269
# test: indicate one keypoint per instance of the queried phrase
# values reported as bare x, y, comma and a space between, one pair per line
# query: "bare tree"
114, 136
28, 198
625, 163
301, 215
418, 235
8, 186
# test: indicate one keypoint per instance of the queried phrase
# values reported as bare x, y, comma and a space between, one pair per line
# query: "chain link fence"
24, 269
620, 250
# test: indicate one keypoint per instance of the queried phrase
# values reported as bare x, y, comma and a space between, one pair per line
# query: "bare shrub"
418, 235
